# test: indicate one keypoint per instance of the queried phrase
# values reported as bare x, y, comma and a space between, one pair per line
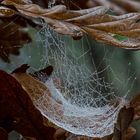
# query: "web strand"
80, 100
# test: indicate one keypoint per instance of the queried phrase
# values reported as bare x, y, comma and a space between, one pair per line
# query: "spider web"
81, 102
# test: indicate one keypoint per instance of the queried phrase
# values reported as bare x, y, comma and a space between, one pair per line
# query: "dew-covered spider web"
81, 102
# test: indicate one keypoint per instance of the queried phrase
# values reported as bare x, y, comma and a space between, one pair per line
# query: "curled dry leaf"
130, 133
22, 69
20, 21
43, 74
128, 5
19, 2
13, 30
37, 89
95, 22
17, 111
124, 120
12, 39
60, 134
6, 12
135, 103
119, 6
32, 86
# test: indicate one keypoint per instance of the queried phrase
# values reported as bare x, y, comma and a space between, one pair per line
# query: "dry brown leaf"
12, 39
70, 14
19, 2
95, 22
60, 134
119, 6
124, 120
6, 12
97, 15
121, 26
17, 111
130, 133
135, 103
33, 87
128, 5
36, 89
108, 3
65, 28
110, 40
